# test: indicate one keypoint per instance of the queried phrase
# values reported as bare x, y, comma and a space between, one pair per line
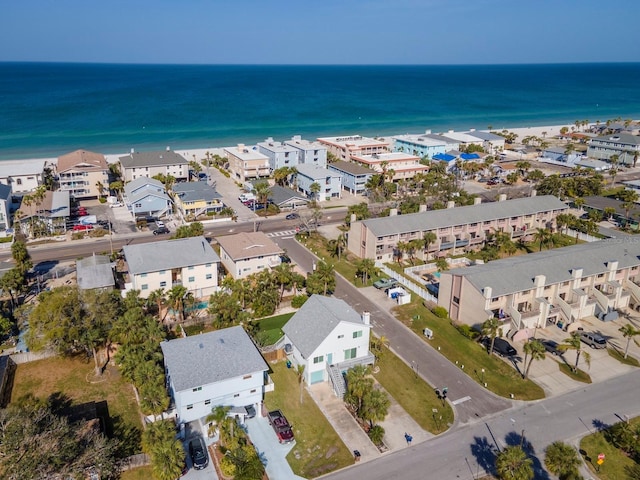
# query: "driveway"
272, 453
192, 430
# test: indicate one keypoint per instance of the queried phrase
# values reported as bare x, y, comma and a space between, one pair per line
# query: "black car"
551, 347
500, 346
161, 231
285, 259
251, 411
198, 453
292, 216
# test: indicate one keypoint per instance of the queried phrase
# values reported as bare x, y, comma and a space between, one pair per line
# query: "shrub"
298, 301
466, 330
227, 467
440, 312
7, 239
376, 434
102, 200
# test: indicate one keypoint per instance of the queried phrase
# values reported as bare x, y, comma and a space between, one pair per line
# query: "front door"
330, 358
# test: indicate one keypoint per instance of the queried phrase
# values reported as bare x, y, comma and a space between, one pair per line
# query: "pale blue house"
330, 182
353, 175
146, 196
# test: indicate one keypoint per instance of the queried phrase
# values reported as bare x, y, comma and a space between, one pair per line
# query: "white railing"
582, 236
405, 282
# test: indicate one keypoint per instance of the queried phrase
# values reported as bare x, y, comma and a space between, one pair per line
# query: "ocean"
48, 109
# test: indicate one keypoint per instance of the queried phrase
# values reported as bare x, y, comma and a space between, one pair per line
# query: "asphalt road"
471, 400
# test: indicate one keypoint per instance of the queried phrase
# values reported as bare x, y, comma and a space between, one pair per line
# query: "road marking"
461, 400
290, 233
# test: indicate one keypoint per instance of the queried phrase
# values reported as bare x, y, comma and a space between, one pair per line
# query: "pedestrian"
408, 438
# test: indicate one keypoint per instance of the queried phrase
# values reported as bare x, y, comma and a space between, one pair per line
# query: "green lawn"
619, 355
579, 375
70, 377
140, 473
273, 327
416, 396
616, 462
500, 377
318, 448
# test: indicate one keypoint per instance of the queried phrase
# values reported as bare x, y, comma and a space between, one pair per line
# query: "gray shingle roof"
517, 274
314, 172
5, 191
94, 272
168, 254
211, 357
196, 191
280, 195
315, 321
349, 167
415, 222
486, 136
620, 138
152, 159
143, 182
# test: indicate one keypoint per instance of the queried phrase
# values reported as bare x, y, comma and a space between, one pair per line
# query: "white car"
117, 204
159, 224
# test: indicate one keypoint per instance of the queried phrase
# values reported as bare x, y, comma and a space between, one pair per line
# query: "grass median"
500, 377
318, 449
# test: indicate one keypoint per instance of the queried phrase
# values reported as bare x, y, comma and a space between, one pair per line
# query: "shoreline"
187, 153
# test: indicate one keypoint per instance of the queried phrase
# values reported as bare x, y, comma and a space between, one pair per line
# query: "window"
319, 359
192, 279
236, 395
162, 272
190, 267
209, 276
143, 275
19, 181
207, 402
138, 205
357, 334
207, 265
456, 300
350, 353
144, 287
340, 336
253, 391
246, 377
197, 389
163, 284
189, 407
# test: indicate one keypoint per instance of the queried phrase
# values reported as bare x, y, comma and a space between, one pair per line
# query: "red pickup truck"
281, 426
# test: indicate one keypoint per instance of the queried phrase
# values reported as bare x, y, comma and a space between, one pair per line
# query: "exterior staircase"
337, 380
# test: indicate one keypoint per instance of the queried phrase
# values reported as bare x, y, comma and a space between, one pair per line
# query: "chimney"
393, 212
450, 131
472, 129
269, 140
366, 318
423, 208
354, 218
296, 138
451, 204
240, 147
488, 291
612, 265
132, 151
502, 197
427, 132
539, 280
168, 148
534, 193
477, 201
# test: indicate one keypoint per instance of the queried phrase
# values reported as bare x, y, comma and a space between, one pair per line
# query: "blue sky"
320, 31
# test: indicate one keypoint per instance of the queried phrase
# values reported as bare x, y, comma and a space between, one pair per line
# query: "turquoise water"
50, 109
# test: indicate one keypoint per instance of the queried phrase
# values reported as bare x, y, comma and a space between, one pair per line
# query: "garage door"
317, 377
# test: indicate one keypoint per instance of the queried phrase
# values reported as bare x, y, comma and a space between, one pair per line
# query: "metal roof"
152, 159
315, 321
213, 357
314, 172
280, 195
168, 254
517, 274
94, 272
449, 217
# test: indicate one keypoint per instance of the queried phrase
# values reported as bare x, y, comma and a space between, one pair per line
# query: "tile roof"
248, 245
433, 219
208, 358
315, 321
168, 254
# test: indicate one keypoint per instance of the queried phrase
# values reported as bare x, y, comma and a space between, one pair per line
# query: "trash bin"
288, 363
356, 455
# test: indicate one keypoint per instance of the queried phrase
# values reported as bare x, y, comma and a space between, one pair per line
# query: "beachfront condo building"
403, 165
149, 164
455, 229
310, 153
354, 176
247, 163
83, 174
560, 286
424, 145
190, 262
280, 154
329, 182
348, 146
22, 176
5, 209
625, 145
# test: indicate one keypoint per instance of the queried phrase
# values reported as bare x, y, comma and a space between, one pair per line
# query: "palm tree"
283, 276
427, 239
574, 343
377, 345
628, 331
513, 464
542, 235
263, 190
535, 350
375, 406
159, 298
326, 274
562, 460
300, 372
175, 297
491, 328
628, 206
358, 384
100, 188
315, 188
442, 265
339, 244
215, 418
366, 267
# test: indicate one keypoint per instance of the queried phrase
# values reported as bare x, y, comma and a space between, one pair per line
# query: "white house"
246, 253
22, 176
328, 337
190, 262
223, 367
150, 164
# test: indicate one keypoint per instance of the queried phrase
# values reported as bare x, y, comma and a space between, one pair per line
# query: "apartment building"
353, 176
404, 165
83, 174
423, 145
329, 182
560, 286
346, 147
280, 154
457, 229
190, 262
150, 164
247, 163
625, 145
309, 153
22, 176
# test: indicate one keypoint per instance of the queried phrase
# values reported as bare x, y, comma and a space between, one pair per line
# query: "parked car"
500, 346
292, 216
116, 205
285, 259
198, 453
593, 339
281, 426
159, 224
385, 283
82, 228
551, 347
161, 231
251, 411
